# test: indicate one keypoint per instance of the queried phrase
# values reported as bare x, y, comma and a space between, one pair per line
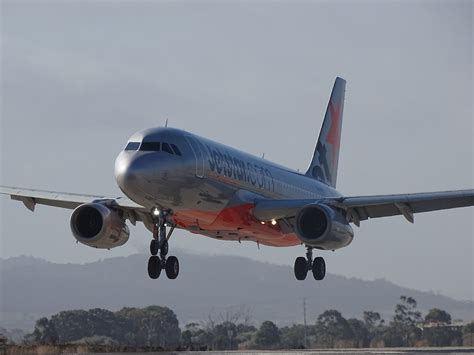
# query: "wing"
31, 198
364, 207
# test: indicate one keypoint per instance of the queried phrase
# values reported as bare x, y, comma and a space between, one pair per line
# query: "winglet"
324, 165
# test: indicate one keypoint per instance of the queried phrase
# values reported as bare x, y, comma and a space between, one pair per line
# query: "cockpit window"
150, 146
158, 146
175, 148
132, 146
166, 148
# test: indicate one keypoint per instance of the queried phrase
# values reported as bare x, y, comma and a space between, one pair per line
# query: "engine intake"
96, 225
323, 227
312, 222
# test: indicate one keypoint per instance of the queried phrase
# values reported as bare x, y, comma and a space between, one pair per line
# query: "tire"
154, 247
172, 267
154, 267
301, 268
319, 268
164, 248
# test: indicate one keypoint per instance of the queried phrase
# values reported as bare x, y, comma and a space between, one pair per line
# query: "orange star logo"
333, 136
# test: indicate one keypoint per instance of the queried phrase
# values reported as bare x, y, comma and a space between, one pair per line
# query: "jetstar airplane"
175, 179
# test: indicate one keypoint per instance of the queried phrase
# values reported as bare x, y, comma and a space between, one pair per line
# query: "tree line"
157, 327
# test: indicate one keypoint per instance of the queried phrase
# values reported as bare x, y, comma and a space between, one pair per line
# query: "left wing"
31, 198
364, 207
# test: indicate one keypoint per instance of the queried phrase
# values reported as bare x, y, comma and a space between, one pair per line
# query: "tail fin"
326, 154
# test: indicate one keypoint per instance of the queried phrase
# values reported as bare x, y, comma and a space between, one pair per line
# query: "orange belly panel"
234, 223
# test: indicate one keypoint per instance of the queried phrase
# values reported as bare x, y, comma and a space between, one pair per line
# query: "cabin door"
199, 155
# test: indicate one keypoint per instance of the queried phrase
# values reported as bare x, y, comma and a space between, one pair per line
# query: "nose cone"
145, 177
127, 173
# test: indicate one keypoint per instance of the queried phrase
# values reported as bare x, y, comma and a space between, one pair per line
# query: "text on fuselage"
225, 164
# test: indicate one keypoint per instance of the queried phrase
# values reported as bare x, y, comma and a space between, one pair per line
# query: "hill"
214, 285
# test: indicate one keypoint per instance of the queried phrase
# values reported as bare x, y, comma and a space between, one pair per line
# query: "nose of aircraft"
128, 171
144, 176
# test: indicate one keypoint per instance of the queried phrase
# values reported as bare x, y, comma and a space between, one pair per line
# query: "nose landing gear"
303, 265
159, 243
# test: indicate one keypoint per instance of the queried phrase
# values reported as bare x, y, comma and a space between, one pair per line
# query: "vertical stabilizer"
326, 154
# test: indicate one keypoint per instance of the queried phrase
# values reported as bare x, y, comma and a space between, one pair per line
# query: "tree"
151, 326
72, 325
442, 336
245, 328
437, 331
44, 332
375, 325
468, 328
360, 333
245, 335
468, 334
268, 336
293, 337
406, 313
224, 336
194, 337
372, 320
218, 324
403, 330
437, 315
330, 327
78, 324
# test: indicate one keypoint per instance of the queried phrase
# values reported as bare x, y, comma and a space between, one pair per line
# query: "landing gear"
301, 268
154, 247
172, 267
303, 265
319, 268
154, 267
159, 243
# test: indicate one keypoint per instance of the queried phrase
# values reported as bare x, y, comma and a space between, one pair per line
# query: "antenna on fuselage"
166, 123
263, 156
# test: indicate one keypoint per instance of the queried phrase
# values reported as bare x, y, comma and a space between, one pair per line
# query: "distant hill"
31, 288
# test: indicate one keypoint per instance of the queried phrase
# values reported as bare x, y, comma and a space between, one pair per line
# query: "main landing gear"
303, 265
159, 243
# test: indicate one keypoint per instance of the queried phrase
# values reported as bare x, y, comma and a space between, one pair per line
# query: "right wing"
365, 207
30, 198
361, 208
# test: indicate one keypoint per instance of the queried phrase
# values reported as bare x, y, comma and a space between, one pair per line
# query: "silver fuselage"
206, 179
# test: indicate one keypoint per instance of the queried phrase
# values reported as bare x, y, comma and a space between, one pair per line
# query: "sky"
79, 78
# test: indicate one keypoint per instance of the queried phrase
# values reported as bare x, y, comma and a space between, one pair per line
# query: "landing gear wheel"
172, 267
154, 247
301, 268
319, 268
154, 267
164, 248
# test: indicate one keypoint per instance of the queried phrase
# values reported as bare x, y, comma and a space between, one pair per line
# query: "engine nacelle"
96, 225
322, 227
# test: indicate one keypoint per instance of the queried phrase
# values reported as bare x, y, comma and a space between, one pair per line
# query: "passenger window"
150, 146
175, 148
132, 146
166, 148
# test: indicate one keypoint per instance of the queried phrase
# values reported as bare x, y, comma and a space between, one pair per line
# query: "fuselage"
208, 187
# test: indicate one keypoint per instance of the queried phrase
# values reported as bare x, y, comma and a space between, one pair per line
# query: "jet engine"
96, 225
323, 227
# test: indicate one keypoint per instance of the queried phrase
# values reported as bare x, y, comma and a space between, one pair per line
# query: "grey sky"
78, 78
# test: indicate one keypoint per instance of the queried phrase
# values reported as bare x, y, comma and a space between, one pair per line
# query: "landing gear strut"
303, 265
159, 243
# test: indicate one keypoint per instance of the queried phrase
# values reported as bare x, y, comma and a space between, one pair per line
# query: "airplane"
176, 179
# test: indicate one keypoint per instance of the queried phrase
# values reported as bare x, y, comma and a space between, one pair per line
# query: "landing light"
262, 222
155, 211
274, 222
